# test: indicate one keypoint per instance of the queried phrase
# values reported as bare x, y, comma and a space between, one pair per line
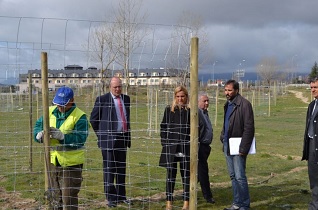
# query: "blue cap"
63, 96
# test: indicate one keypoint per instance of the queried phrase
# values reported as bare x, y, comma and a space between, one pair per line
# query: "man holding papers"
239, 124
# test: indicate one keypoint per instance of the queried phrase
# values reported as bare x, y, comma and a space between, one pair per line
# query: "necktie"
311, 122
122, 114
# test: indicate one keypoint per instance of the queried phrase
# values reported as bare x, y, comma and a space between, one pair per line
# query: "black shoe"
111, 204
233, 207
210, 200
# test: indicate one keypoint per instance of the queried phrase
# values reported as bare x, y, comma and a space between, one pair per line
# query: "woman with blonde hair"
175, 141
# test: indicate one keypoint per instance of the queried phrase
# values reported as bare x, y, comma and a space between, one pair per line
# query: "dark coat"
203, 128
104, 120
306, 140
175, 135
241, 123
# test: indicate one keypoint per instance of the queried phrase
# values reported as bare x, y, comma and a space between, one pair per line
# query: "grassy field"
277, 177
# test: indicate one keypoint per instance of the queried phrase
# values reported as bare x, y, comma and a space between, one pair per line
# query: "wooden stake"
193, 122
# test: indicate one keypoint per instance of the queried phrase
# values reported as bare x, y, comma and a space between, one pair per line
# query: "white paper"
234, 144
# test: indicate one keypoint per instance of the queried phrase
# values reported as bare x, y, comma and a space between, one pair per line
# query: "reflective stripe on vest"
65, 157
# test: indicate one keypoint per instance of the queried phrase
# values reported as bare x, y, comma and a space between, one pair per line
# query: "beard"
230, 97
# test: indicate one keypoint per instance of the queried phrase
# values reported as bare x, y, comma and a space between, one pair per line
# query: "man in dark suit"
110, 119
205, 139
310, 149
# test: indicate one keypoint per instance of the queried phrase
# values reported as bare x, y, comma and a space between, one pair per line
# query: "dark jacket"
175, 135
241, 123
104, 120
306, 140
203, 128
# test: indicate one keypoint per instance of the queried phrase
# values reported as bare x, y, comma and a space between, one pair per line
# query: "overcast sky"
240, 32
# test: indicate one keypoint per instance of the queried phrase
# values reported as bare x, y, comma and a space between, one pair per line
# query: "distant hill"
9, 81
251, 76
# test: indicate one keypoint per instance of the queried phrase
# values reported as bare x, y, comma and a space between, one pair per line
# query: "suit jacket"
306, 139
104, 121
203, 128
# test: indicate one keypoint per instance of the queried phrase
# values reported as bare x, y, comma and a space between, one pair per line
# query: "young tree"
129, 30
268, 70
314, 71
104, 49
115, 42
188, 25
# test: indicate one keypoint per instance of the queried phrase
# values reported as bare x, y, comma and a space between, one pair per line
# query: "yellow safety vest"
65, 156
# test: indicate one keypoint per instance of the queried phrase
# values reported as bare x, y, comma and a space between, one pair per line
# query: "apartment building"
75, 76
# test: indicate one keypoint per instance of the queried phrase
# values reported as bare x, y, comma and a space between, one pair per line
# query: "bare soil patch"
299, 95
14, 201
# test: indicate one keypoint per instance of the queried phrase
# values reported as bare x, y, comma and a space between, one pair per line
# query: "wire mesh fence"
22, 159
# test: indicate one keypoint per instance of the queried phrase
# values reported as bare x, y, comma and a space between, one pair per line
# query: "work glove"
40, 136
56, 133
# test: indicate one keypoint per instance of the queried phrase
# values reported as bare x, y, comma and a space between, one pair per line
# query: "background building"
75, 76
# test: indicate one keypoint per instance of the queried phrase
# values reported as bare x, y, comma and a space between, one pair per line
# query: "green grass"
277, 177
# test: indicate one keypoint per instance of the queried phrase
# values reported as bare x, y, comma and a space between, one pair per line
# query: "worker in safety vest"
68, 134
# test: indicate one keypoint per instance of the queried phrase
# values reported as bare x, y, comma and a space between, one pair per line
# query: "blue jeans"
236, 167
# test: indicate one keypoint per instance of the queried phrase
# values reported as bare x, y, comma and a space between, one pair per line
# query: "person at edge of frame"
310, 147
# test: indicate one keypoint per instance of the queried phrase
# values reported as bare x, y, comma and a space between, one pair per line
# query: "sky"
240, 33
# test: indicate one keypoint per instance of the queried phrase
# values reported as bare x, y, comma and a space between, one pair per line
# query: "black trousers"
313, 175
172, 174
203, 170
114, 167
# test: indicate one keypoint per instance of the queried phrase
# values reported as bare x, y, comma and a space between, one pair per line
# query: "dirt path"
299, 95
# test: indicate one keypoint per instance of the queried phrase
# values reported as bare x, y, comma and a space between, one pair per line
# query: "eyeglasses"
119, 87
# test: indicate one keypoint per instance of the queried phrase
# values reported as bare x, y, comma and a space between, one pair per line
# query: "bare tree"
189, 25
115, 42
104, 49
129, 30
268, 70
